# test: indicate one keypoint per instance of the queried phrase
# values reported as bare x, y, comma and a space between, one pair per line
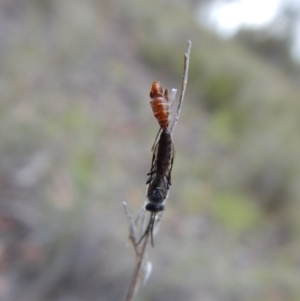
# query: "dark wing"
168, 175
152, 170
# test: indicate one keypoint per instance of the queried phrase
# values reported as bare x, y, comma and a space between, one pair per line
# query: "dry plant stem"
136, 277
141, 251
132, 227
184, 83
172, 97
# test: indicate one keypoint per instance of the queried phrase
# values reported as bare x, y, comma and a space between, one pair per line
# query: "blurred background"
76, 131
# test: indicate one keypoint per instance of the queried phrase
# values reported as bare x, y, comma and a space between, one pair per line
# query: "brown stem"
136, 277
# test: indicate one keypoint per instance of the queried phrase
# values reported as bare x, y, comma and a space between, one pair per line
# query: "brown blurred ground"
76, 132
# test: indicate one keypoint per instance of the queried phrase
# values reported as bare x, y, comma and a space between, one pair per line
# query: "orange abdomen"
161, 110
160, 104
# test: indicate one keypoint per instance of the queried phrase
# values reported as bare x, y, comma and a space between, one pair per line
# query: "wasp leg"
149, 229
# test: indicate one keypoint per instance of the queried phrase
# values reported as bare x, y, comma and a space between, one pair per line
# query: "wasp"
159, 180
160, 104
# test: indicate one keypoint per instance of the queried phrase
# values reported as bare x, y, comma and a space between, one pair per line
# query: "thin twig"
172, 97
143, 267
138, 274
184, 83
132, 227
132, 231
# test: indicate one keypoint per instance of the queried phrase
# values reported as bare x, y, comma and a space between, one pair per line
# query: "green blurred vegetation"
76, 133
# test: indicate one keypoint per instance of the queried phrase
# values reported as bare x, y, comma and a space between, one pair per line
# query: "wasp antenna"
149, 229
152, 228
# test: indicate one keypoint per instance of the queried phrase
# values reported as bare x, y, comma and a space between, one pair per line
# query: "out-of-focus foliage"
76, 131
272, 48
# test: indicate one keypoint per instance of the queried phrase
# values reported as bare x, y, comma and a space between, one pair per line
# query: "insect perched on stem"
159, 179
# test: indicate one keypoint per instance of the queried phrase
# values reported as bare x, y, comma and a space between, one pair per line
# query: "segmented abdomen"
161, 110
160, 104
